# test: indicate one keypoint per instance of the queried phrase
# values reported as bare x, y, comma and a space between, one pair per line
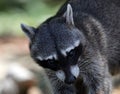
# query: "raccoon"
79, 47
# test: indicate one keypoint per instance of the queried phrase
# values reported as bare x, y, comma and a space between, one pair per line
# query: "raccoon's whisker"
82, 63
86, 64
82, 71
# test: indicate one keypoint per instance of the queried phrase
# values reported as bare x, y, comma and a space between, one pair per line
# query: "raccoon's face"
57, 45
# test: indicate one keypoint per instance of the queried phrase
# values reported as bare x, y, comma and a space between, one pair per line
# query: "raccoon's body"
81, 45
105, 12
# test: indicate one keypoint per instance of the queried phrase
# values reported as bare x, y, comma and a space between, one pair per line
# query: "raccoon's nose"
70, 80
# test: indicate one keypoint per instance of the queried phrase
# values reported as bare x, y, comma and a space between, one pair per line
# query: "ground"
16, 50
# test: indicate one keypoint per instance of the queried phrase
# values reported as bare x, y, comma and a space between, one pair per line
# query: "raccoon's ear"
69, 15
29, 31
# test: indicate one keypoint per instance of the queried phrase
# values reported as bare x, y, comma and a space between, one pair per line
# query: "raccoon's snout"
61, 75
70, 80
69, 75
75, 70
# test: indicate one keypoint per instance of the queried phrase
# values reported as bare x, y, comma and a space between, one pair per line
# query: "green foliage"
6, 5
31, 12
53, 2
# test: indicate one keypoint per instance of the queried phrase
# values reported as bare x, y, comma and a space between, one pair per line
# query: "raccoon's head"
57, 45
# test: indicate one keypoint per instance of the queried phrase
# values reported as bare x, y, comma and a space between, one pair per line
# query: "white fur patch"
61, 75
64, 52
40, 58
77, 43
54, 56
75, 70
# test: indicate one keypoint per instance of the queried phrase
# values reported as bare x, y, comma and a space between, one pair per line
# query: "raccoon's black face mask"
57, 45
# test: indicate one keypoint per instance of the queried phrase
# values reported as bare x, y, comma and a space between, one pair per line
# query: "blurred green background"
13, 46
31, 12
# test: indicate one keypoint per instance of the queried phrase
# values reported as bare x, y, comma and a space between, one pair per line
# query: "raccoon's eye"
50, 61
50, 64
71, 53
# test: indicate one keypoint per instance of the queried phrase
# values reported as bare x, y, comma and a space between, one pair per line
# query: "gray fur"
69, 15
97, 27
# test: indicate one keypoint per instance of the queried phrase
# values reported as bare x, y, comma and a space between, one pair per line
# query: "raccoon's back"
111, 23
108, 14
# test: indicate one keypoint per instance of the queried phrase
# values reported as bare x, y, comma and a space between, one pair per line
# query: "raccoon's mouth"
70, 75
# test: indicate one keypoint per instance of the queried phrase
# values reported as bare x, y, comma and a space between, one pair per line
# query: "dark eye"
50, 61
71, 53
50, 64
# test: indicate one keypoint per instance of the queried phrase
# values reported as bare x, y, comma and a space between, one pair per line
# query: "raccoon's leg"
58, 86
97, 78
